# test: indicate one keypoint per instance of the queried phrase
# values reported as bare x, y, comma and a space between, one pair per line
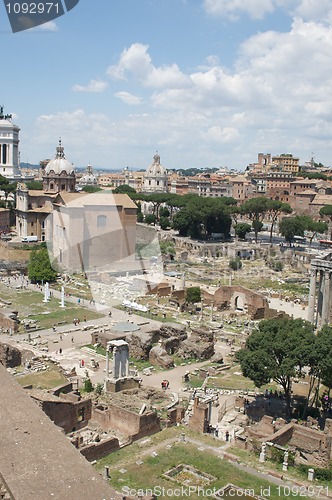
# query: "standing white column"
107, 360
62, 297
312, 296
46, 292
326, 299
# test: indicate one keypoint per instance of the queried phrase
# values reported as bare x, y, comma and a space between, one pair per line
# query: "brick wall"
95, 451
127, 422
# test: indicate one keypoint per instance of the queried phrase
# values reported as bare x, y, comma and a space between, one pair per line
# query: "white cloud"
233, 8
222, 135
92, 86
309, 10
128, 98
276, 98
50, 26
136, 62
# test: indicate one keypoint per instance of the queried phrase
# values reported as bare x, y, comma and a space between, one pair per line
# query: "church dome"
59, 164
156, 169
88, 179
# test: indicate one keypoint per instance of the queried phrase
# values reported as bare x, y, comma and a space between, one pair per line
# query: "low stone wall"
95, 451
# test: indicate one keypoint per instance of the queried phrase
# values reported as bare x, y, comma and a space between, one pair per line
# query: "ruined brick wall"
10, 356
199, 419
95, 451
308, 440
127, 422
7, 324
235, 297
68, 415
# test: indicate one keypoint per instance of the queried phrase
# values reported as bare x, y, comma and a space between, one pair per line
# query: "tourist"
227, 436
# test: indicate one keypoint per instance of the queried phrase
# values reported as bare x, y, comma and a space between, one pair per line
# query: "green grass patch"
47, 379
65, 315
149, 474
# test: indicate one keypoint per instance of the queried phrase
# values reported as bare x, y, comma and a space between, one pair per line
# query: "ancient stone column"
312, 296
326, 298
107, 360
320, 299
116, 362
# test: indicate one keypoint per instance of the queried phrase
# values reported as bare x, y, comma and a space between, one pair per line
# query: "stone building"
319, 307
90, 231
34, 206
9, 141
89, 178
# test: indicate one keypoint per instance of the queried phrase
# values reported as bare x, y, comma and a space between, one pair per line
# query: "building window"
63, 187
4, 154
101, 221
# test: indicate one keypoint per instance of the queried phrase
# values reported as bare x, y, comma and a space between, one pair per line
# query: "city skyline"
207, 83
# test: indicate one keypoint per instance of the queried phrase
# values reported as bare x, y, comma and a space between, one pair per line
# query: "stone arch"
239, 303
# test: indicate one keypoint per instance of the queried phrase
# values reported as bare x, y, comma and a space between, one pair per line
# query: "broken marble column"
46, 292
285, 463
62, 297
262, 455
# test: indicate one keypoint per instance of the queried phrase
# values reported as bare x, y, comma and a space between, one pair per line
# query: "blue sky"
204, 82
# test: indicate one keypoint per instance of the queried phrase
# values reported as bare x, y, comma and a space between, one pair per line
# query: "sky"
206, 83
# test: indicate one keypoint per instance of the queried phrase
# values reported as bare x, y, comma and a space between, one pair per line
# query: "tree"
235, 264
164, 223
201, 217
124, 189
275, 209
39, 267
150, 219
35, 185
241, 229
313, 226
327, 212
91, 189
290, 227
256, 209
88, 386
278, 350
164, 212
7, 187
193, 294
167, 248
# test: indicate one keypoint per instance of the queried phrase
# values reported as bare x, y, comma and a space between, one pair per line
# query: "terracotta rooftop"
96, 199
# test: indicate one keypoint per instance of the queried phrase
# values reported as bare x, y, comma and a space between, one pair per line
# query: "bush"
88, 385
150, 219
164, 223
235, 264
193, 294
277, 265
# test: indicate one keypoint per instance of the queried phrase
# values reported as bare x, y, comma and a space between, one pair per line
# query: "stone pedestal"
311, 474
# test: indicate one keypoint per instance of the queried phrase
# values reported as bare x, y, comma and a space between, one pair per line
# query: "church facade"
34, 206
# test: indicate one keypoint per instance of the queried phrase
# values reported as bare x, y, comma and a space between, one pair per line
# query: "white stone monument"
262, 455
285, 463
46, 292
62, 297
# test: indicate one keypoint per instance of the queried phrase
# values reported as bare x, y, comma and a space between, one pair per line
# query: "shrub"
235, 264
